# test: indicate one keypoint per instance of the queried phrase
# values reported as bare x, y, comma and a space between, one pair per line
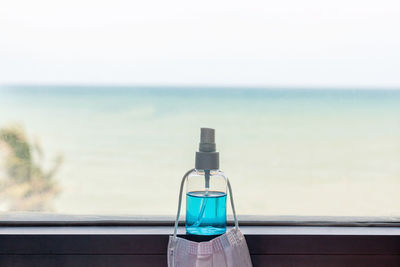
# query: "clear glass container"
206, 202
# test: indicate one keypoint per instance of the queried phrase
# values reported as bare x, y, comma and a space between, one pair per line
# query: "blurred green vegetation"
25, 185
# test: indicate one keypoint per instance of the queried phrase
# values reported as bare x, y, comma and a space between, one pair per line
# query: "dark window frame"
142, 240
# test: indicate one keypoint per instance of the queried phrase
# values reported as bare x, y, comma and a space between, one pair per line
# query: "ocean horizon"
286, 151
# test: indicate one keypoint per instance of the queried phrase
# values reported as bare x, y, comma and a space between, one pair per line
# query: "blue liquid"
205, 213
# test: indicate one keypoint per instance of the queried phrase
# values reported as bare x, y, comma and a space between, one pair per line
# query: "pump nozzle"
207, 158
207, 140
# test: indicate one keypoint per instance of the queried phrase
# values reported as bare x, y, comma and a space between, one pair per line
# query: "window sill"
50, 219
143, 246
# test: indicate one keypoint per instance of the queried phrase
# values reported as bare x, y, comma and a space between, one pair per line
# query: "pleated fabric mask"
227, 250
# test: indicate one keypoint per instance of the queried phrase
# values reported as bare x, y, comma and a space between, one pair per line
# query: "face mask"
227, 250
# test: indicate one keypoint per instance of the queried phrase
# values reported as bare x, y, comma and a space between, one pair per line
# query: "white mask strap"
232, 205
180, 202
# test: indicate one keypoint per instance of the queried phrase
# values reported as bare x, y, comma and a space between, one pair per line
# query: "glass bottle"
206, 190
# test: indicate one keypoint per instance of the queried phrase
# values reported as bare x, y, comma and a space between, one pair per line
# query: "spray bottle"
206, 190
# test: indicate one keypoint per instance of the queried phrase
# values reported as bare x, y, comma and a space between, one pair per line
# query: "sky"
285, 43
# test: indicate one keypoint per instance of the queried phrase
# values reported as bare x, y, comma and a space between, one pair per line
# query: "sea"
286, 151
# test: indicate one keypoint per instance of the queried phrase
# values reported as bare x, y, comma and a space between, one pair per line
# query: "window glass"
124, 150
101, 104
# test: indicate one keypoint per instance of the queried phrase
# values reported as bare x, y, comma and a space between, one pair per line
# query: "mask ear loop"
180, 203
232, 205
